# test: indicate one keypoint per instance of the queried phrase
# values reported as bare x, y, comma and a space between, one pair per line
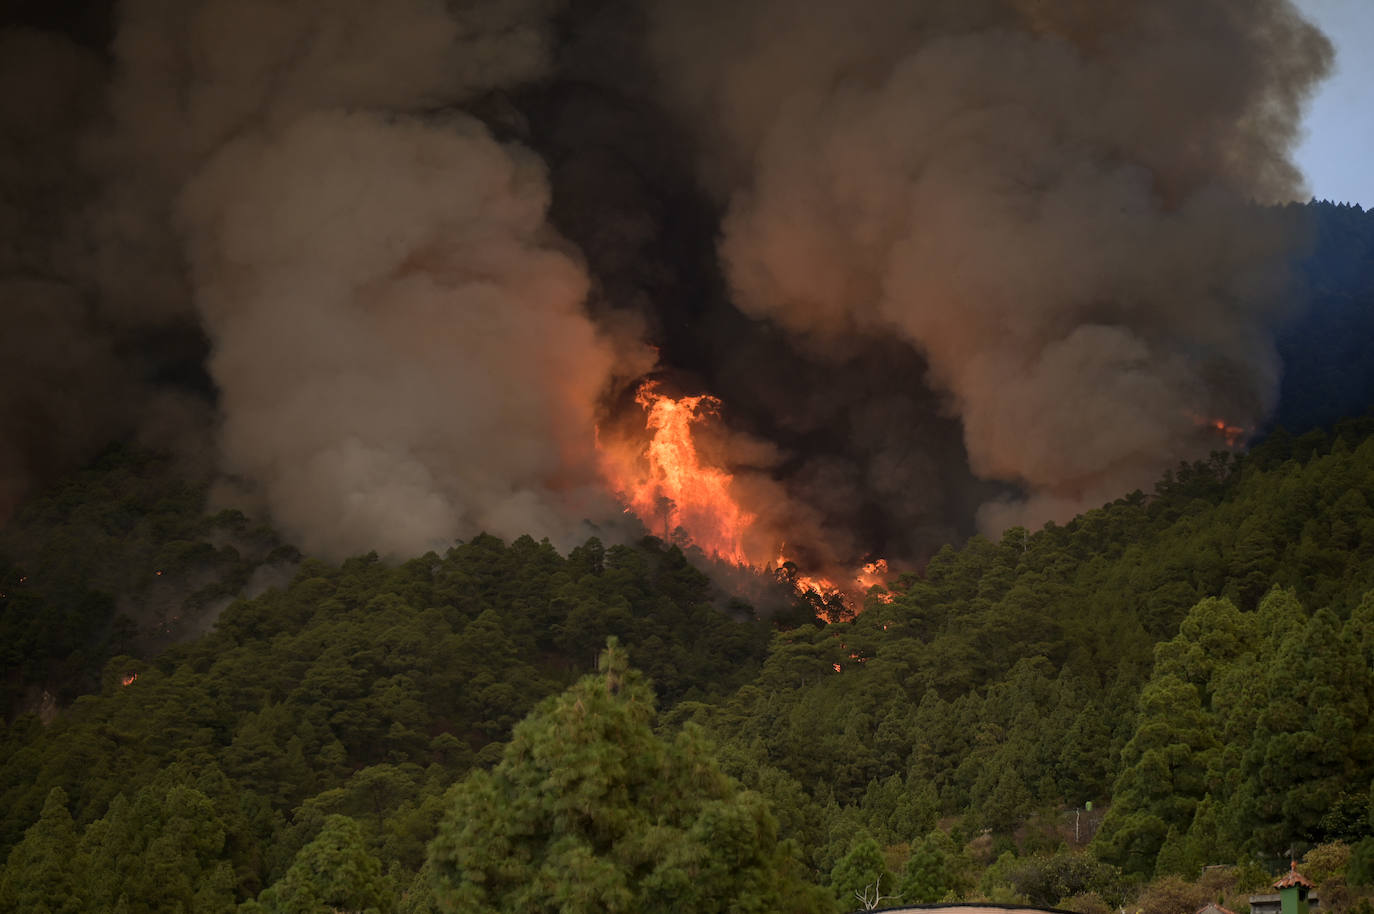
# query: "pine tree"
40, 875
590, 811
164, 851
935, 868
334, 872
860, 878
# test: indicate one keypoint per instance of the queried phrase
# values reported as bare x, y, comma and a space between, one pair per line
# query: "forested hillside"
121, 557
1195, 663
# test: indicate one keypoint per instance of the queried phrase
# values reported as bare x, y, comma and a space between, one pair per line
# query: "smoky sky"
384, 268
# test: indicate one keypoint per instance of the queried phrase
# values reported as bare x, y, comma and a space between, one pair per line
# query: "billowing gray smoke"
1001, 240
397, 334
399, 344
1052, 201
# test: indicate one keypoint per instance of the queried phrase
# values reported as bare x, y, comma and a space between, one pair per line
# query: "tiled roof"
1292, 878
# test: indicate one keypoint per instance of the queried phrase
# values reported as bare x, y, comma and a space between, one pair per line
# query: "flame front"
670, 489
679, 495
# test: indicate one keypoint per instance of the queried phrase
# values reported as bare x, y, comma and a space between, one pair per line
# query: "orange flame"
1232, 434
669, 488
128, 679
823, 587
667, 485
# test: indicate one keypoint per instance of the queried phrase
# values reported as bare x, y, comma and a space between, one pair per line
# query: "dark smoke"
1053, 202
938, 259
75, 371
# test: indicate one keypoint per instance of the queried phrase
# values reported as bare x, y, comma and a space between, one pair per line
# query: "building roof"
1292, 878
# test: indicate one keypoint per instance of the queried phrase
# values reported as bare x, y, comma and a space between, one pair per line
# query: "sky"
1335, 155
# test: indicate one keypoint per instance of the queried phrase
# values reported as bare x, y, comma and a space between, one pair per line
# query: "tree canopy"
589, 810
1194, 663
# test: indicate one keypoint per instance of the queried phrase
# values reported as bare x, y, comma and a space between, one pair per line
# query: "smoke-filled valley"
384, 272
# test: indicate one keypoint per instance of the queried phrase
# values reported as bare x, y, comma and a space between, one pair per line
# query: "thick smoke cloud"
399, 345
398, 339
1053, 202
191, 77
931, 256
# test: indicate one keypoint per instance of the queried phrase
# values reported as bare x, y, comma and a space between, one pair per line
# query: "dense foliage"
1195, 663
590, 811
121, 557
362, 690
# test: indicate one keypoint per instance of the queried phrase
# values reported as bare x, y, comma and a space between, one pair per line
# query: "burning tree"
664, 478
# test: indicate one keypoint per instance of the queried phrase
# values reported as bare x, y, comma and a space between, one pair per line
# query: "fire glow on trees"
1232, 434
678, 494
669, 488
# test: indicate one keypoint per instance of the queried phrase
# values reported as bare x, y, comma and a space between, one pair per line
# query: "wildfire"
667, 484
128, 679
825, 588
669, 488
1232, 434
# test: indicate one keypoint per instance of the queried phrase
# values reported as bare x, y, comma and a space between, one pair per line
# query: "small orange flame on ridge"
128, 679
1232, 434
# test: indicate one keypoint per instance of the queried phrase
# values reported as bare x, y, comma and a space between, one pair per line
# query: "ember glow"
874, 574
128, 679
664, 480
1232, 434
786, 568
667, 485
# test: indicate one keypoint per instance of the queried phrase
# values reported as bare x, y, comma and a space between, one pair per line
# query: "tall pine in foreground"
590, 811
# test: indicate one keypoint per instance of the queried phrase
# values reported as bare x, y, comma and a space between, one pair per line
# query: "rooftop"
1292, 878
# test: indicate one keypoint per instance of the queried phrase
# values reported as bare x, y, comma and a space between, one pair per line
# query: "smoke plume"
998, 257
398, 342
1052, 202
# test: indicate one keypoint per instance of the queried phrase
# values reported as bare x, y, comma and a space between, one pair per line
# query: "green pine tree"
334, 872
860, 878
40, 876
935, 869
590, 811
